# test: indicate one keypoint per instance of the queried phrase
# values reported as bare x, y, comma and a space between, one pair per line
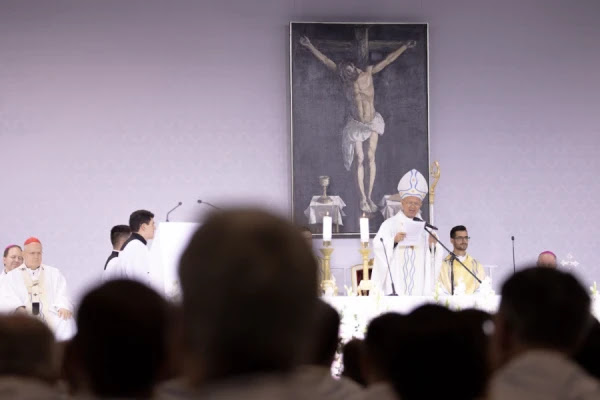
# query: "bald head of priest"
547, 259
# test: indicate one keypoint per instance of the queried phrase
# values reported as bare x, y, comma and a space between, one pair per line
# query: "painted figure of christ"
364, 124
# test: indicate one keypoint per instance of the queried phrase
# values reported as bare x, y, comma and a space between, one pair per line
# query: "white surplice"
133, 261
111, 269
414, 269
14, 294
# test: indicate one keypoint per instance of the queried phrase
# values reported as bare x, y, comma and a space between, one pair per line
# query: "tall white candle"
327, 224
364, 230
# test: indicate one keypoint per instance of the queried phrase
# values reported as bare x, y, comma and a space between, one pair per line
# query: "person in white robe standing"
134, 259
39, 290
414, 268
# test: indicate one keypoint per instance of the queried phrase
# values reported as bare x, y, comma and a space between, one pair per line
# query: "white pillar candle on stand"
327, 225
364, 229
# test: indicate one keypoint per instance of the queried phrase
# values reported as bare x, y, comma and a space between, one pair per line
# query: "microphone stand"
452, 255
173, 209
209, 204
389, 269
513, 249
452, 275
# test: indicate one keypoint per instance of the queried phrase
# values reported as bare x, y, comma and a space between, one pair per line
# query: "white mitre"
413, 183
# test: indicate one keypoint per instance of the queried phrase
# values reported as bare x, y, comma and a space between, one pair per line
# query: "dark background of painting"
319, 114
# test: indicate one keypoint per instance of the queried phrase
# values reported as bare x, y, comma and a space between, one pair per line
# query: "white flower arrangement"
486, 296
461, 288
437, 291
595, 299
486, 289
350, 292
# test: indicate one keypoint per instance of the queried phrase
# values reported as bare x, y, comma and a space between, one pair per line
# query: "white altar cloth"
316, 211
357, 311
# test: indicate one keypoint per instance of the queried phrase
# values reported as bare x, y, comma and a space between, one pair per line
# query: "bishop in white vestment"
39, 290
414, 268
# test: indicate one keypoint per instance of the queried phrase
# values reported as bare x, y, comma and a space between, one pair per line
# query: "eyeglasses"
466, 238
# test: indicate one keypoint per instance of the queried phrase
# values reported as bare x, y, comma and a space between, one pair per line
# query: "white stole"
37, 293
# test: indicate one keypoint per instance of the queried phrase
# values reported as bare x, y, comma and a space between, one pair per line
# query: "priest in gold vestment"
459, 237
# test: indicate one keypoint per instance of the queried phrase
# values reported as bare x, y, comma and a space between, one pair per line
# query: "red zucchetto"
32, 240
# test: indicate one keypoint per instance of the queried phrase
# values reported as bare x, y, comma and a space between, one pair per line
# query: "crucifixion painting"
351, 83
364, 124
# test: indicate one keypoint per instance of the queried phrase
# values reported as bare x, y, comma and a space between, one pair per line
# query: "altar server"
118, 236
414, 268
134, 259
39, 290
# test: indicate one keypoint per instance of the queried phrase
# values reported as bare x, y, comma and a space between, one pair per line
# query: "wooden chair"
357, 276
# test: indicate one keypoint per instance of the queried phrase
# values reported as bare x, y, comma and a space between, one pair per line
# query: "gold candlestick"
365, 283
328, 286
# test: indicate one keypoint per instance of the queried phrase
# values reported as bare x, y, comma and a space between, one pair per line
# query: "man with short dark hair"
379, 351
118, 236
543, 317
249, 287
28, 366
134, 259
324, 341
120, 348
452, 273
400, 349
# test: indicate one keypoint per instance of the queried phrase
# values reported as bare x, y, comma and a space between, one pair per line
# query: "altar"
357, 311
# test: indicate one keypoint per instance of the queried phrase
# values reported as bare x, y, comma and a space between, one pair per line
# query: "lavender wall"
110, 106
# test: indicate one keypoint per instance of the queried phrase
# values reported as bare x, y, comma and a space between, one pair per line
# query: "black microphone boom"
209, 204
389, 269
173, 209
427, 224
513, 249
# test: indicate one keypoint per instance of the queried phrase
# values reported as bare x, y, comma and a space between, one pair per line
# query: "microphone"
173, 209
452, 257
513, 250
427, 224
389, 269
209, 204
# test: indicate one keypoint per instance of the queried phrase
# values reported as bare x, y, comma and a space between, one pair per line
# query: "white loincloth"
356, 131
